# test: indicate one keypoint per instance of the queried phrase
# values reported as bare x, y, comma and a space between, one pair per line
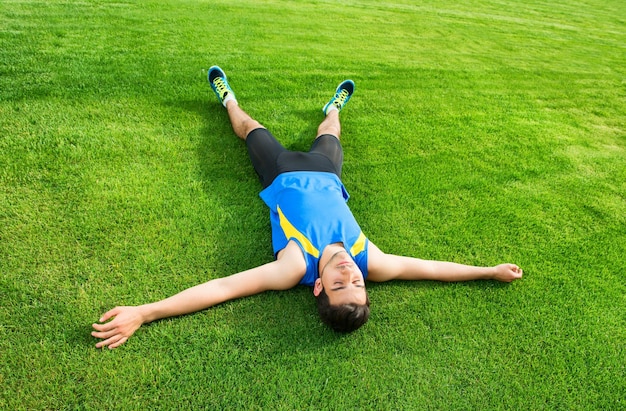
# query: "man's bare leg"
243, 124
330, 125
241, 121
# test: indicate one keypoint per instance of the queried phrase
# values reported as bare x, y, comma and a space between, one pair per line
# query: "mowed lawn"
480, 132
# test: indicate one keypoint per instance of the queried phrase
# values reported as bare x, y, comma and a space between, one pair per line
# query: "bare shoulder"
377, 264
292, 252
291, 263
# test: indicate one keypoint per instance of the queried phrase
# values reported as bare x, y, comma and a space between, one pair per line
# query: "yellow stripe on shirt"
292, 232
359, 245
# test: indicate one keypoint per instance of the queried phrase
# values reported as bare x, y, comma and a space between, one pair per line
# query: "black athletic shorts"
270, 158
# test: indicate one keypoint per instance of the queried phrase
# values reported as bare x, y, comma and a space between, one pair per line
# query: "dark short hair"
343, 318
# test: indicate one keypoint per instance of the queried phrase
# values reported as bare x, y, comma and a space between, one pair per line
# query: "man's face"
342, 280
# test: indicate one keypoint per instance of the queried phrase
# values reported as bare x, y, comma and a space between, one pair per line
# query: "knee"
251, 126
333, 131
247, 126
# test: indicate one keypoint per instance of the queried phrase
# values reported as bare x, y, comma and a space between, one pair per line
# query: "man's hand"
507, 273
281, 274
115, 333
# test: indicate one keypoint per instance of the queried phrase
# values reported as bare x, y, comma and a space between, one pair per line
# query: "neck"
328, 253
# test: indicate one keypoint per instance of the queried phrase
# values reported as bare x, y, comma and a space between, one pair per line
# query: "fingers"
112, 336
104, 334
112, 342
109, 314
103, 327
108, 332
118, 343
516, 272
508, 273
124, 321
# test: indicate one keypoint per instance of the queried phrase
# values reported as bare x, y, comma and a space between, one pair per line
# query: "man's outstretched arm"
281, 274
385, 267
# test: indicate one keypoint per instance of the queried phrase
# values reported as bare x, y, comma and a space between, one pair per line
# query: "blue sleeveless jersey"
309, 207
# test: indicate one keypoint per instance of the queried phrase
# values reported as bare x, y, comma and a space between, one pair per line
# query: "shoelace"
221, 86
340, 98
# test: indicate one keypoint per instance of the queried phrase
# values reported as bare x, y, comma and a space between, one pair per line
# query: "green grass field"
480, 132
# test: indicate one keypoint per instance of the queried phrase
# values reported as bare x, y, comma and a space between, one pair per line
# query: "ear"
318, 287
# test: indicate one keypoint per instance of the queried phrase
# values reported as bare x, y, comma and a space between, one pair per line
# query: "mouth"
344, 261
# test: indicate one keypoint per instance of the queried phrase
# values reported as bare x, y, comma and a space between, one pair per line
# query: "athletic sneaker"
342, 95
219, 84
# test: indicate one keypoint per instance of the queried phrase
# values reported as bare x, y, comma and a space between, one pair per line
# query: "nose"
351, 271
347, 268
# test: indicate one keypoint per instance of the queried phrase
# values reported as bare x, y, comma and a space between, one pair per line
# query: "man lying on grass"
316, 240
